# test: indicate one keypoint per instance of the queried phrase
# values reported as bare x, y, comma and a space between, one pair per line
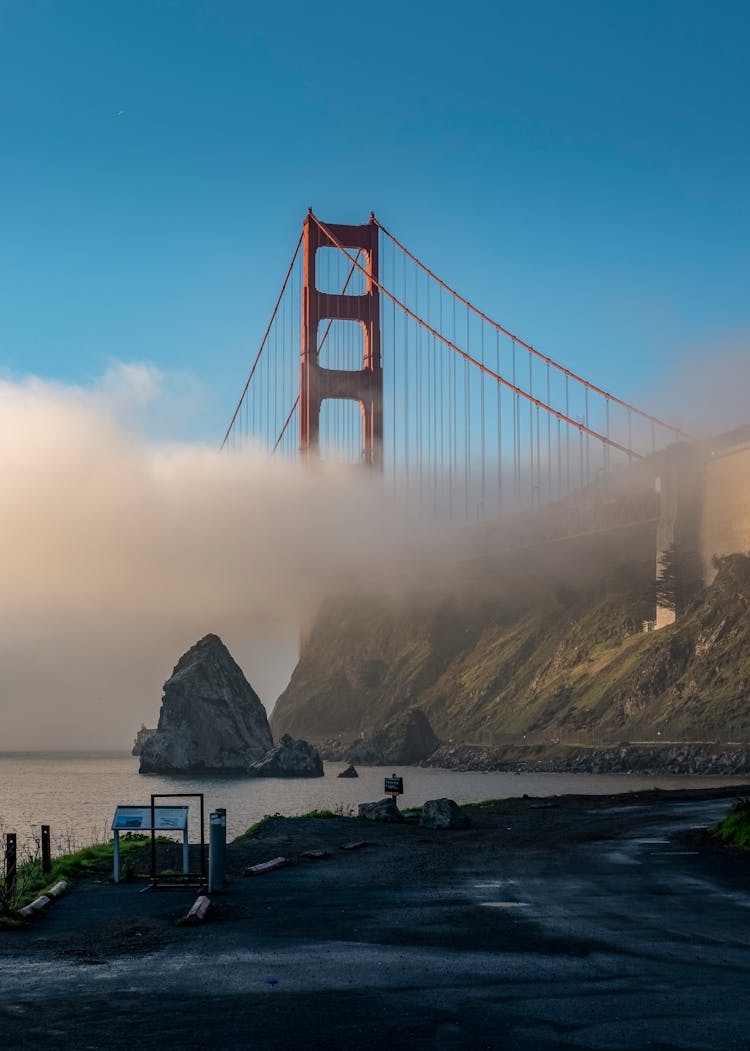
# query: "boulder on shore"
443, 813
211, 718
405, 739
349, 772
289, 758
380, 810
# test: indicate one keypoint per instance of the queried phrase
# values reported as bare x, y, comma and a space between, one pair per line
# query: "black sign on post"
394, 785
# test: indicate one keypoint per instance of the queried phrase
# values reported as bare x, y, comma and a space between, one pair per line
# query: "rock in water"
349, 772
407, 738
289, 758
443, 813
211, 718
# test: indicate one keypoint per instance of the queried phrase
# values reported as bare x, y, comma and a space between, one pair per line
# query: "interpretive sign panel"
138, 818
394, 786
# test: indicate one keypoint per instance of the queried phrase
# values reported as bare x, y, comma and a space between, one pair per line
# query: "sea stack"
211, 718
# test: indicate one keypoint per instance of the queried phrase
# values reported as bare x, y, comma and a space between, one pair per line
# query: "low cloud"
118, 552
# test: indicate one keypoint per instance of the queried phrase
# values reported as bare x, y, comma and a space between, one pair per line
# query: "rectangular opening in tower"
341, 430
341, 345
336, 275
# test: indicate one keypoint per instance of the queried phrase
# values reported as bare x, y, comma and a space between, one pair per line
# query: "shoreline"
706, 759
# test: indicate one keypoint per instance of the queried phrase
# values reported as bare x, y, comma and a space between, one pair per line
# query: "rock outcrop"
141, 737
289, 758
406, 739
443, 813
349, 772
211, 719
381, 810
692, 760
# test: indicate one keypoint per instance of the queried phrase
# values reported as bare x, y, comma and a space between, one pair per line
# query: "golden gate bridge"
369, 358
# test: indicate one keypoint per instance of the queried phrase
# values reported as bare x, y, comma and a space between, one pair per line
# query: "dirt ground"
567, 922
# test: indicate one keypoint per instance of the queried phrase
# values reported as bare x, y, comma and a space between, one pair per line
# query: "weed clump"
734, 829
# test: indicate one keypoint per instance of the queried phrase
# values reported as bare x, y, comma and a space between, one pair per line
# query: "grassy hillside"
571, 663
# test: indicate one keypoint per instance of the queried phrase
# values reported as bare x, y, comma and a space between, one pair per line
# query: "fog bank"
118, 553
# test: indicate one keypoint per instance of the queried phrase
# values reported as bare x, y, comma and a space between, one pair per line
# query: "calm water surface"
76, 793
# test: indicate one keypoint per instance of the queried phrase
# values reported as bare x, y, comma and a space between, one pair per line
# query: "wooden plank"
198, 910
267, 866
37, 905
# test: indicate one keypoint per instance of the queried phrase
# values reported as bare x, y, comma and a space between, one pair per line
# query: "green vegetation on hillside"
570, 663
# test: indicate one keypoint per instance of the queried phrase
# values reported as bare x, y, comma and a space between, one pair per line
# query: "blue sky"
579, 170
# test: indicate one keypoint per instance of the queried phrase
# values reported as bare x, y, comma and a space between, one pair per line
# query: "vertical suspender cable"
499, 427
482, 443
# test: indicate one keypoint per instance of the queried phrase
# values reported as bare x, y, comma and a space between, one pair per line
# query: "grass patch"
255, 828
734, 829
338, 811
485, 802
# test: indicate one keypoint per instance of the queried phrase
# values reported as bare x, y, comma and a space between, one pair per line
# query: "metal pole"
10, 867
203, 842
46, 852
221, 811
153, 837
214, 853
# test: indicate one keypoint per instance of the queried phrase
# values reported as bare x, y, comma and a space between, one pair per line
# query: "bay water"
76, 793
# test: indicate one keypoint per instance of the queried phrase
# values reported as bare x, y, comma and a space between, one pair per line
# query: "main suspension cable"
580, 427
532, 350
263, 343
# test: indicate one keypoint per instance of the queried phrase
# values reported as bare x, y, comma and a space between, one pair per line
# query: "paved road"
619, 933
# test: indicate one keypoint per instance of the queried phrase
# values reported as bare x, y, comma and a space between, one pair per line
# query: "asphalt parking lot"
572, 923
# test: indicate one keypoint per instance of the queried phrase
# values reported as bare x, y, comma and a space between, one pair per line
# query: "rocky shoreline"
694, 760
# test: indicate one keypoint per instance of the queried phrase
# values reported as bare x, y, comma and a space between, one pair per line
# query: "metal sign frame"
187, 879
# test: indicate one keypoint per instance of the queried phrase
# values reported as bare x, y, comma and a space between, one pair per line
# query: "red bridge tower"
363, 385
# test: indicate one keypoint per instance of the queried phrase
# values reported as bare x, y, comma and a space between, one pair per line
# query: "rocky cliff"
211, 719
406, 738
569, 663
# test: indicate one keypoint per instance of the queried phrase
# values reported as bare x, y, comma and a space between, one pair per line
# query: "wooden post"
46, 852
10, 868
